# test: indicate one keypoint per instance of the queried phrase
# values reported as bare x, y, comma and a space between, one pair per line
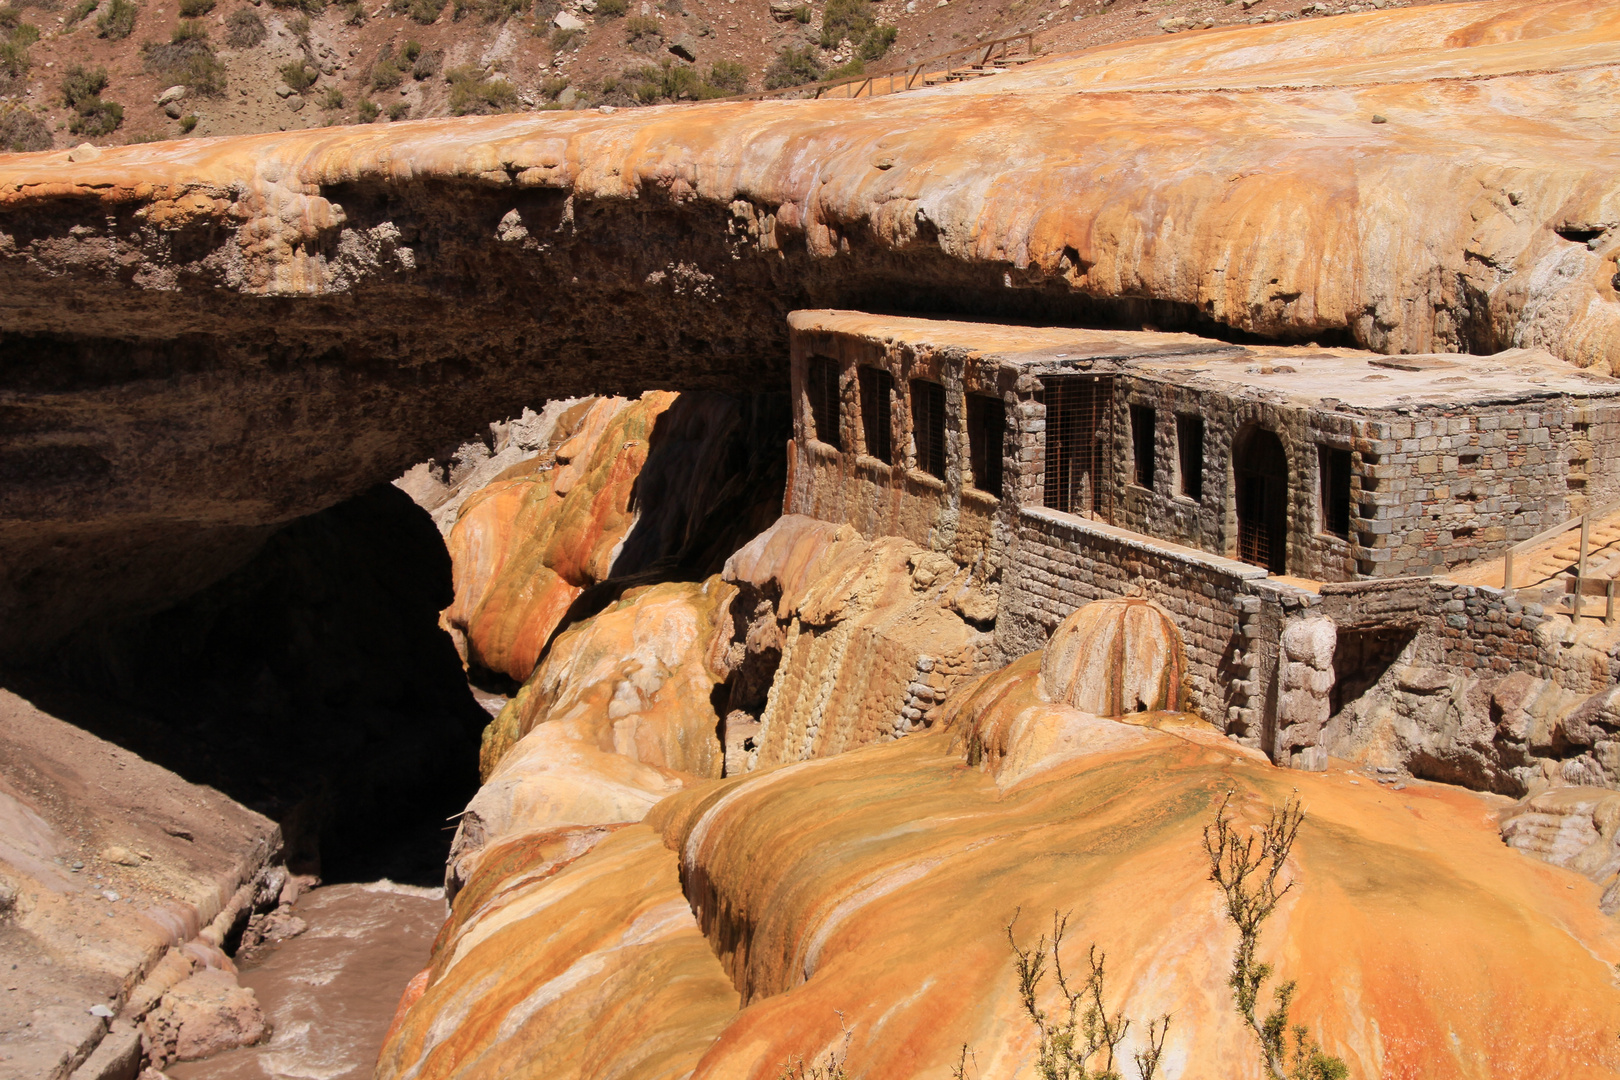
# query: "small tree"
1247, 875
1081, 1029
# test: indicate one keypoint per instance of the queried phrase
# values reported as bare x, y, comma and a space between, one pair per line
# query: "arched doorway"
1260, 470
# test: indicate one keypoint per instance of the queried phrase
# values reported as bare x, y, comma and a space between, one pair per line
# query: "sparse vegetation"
856, 21
299, 75
188, 123
368, 110
1081, 1030
792, 67
308, 7
421, 11
22, 130
244, 29
795, 1069
81, 91
553, 85
333, 100
427, 65
188, 59
399, 110
385, 73
411, 50
728, 76
567, 39
668, 81
1247, 878
611, 9
643, 33
80, 12
16, 37
354, 12
195, 9
804, 13
472, 94
117, 22
489, 11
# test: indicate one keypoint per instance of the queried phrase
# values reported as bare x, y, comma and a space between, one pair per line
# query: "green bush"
244, 29
95, 118
308, 7
385, 74
567, 39
471, 94
855, 66
354, 12
420, 11
611, 9
368, 110
80, 11
804, 13
300, 75
117, 22
399, 110
16, 37
792, 67
489, 11
411, 50
333, 99
643, 33
81, 84
187, 59
192, 9
728, 76
553, 85
876, 42
188, 123
22, 130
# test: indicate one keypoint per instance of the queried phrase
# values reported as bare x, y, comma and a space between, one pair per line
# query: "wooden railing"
980, 57
1581, 586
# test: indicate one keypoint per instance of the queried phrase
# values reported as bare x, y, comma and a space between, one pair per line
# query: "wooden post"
1608, 612
1580, 566
1507, 571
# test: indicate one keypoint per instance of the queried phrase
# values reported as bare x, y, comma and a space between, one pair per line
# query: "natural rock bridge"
201, 341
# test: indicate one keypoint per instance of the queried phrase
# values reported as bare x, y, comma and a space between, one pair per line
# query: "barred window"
928, 426
987, 429
877, 413
821, 387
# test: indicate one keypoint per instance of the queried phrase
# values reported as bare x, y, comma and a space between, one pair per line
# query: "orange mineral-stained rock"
1116, 656
618, 716
870, 638
556, 966
525, 547
877, 885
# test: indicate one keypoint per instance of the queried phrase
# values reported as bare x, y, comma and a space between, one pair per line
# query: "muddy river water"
331, 992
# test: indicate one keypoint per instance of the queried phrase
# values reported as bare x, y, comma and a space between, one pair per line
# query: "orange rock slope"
872, 888
1245, 173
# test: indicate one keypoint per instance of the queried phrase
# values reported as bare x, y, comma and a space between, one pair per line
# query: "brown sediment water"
331, 992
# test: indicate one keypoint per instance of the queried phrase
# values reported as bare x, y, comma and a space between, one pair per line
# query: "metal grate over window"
1079, 428
877, 413
928, 426
987, 434
821, 387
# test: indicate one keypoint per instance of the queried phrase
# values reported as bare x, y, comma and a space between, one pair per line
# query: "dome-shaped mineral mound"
1113, 657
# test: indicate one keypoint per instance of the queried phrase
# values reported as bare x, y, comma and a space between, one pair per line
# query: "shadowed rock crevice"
313, 685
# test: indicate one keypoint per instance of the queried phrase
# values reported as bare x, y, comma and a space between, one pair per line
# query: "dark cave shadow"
313, 685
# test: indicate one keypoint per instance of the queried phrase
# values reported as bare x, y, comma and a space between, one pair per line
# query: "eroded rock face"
1113, 657
206, 339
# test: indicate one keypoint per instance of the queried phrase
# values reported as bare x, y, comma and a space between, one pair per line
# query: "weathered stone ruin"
898, 514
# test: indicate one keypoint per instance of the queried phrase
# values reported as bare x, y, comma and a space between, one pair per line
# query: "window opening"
987, 430
877, 416
1190, 449
928, 426
1143, 420
1335, 490
821, 387
1260, 468
1079, 428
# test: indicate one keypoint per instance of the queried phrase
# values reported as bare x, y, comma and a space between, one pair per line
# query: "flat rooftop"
1303, 375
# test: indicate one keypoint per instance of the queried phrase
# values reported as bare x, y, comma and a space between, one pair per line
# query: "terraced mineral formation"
873, 889
205, 339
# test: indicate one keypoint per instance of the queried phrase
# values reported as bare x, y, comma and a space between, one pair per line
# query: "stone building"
1250, 490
